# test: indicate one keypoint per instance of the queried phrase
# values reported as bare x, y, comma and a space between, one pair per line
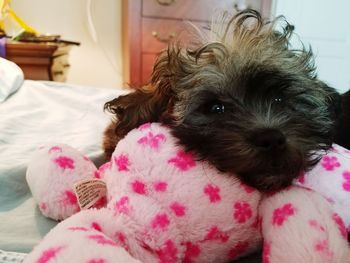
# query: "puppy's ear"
334, 100
335, 109
342, 129
147, 104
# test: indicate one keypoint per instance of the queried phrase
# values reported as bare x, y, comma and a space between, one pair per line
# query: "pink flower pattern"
70, 198
266, 252
160, 186
192, 251
178, 209
153, 141
242, 212
122, 162
184, 161
102, 240
64, 162
122, 205
121, 240
341, 226
49, 254
330, 162
78, 228
97, 175
346, 184
55, 149
248, 189
322, 246
213, 193
280, 215
316, 225
168, 252
139, 187
145, 126
96, 226
215, 233
160, 221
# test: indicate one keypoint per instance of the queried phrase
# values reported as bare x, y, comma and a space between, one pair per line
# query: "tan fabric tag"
89, 191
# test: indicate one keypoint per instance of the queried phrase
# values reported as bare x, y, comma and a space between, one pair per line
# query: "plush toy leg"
51, 175
83, 238
299, 226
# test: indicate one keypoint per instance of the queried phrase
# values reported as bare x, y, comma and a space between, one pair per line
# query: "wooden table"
40, 61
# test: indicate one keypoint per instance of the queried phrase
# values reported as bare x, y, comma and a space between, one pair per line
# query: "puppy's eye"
277, 100
216, 107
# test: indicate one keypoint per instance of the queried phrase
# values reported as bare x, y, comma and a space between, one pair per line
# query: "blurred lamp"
6, 12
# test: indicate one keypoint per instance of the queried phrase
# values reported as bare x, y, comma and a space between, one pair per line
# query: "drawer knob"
166, 2
156, 35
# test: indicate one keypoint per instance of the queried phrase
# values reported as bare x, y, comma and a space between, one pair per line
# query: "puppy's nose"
269, 139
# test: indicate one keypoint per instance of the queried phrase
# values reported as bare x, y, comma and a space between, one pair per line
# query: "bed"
33, 113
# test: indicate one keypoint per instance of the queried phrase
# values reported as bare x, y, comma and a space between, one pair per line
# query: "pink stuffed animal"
164, 206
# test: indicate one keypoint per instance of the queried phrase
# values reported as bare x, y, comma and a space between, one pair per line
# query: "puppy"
240, 98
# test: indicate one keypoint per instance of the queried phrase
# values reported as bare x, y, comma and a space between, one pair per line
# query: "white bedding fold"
11, 78
42, 112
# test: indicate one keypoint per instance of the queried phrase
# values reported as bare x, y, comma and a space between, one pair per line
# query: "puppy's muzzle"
269, 140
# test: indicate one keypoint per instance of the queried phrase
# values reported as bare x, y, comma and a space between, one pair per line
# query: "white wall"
91, 64
325, 26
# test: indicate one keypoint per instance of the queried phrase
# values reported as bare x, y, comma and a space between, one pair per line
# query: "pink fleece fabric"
331, 178
164, 206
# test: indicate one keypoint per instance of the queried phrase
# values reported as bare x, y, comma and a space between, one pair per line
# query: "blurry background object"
106, 52
93, 63
4, 5
40, 60
8, 15
41, 57
150, 25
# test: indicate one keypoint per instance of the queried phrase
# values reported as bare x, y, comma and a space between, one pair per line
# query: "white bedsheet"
41, 112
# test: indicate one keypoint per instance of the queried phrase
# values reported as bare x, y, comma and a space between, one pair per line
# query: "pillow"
11, 78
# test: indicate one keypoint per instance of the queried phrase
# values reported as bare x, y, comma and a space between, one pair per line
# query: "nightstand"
40, 61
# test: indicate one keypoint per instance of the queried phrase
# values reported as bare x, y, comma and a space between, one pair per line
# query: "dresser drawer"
148, 25
147, 66
201, 10
158, 33
185, 9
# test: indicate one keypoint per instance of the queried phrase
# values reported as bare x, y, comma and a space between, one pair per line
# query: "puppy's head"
241, 99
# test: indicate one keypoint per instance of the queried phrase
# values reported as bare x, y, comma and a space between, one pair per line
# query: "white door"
325, 25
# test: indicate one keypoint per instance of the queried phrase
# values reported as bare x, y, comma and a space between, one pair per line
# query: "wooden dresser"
40, 61
149, 25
